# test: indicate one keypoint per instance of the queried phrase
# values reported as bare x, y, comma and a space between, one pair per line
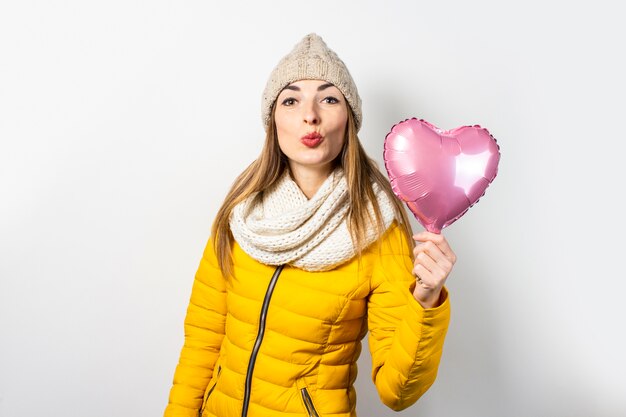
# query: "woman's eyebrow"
320, 88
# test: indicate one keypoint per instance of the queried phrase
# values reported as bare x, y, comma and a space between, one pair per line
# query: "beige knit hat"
311, 59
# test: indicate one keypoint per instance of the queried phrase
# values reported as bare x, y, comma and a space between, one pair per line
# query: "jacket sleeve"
405, 340
204, 332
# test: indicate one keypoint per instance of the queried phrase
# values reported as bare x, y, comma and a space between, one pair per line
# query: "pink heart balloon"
438, 173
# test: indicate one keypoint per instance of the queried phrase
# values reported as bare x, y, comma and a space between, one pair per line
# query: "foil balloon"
438, 173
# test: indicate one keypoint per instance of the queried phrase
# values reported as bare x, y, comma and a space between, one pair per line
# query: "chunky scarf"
284, 227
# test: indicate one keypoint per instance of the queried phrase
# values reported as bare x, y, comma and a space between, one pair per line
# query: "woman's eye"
289, 101
331, 100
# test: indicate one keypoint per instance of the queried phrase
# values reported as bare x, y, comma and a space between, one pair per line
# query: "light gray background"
123, 123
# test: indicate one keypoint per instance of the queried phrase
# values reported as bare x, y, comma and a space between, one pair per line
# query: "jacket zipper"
308, 403
259, 339
208, 394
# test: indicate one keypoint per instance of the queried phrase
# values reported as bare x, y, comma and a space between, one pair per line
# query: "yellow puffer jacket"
284, 342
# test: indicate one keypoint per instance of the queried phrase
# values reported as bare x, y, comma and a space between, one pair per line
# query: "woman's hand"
434, 260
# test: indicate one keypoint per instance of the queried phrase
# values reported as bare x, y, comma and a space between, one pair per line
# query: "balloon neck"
433, 229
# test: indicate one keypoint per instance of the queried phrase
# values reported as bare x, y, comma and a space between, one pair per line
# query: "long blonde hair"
360, 171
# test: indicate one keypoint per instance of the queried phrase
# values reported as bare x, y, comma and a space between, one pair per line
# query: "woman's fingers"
433, 263
430, 271
439, 241
432, 250
425, 269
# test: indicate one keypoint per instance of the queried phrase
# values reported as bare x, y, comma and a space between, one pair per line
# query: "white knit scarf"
285, 227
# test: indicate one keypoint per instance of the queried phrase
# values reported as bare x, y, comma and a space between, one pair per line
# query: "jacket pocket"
209, 391
308, 402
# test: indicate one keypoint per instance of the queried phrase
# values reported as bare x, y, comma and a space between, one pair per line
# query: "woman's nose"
311, 115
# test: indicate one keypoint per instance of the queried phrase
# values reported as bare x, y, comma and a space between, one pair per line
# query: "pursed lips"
311, 139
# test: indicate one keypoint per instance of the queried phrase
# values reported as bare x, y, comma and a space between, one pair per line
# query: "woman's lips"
311, 140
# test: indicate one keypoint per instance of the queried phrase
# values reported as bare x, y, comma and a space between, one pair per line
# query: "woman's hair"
360, 172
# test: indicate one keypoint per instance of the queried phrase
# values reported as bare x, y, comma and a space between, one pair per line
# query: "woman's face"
311, 118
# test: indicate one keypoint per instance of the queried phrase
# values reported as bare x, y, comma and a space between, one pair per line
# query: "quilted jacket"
280, 341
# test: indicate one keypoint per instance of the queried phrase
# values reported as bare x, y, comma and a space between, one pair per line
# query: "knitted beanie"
311, 59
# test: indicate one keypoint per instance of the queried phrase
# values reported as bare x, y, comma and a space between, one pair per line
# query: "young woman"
310, 251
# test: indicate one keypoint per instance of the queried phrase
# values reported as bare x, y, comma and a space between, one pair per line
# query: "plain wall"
123, 123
